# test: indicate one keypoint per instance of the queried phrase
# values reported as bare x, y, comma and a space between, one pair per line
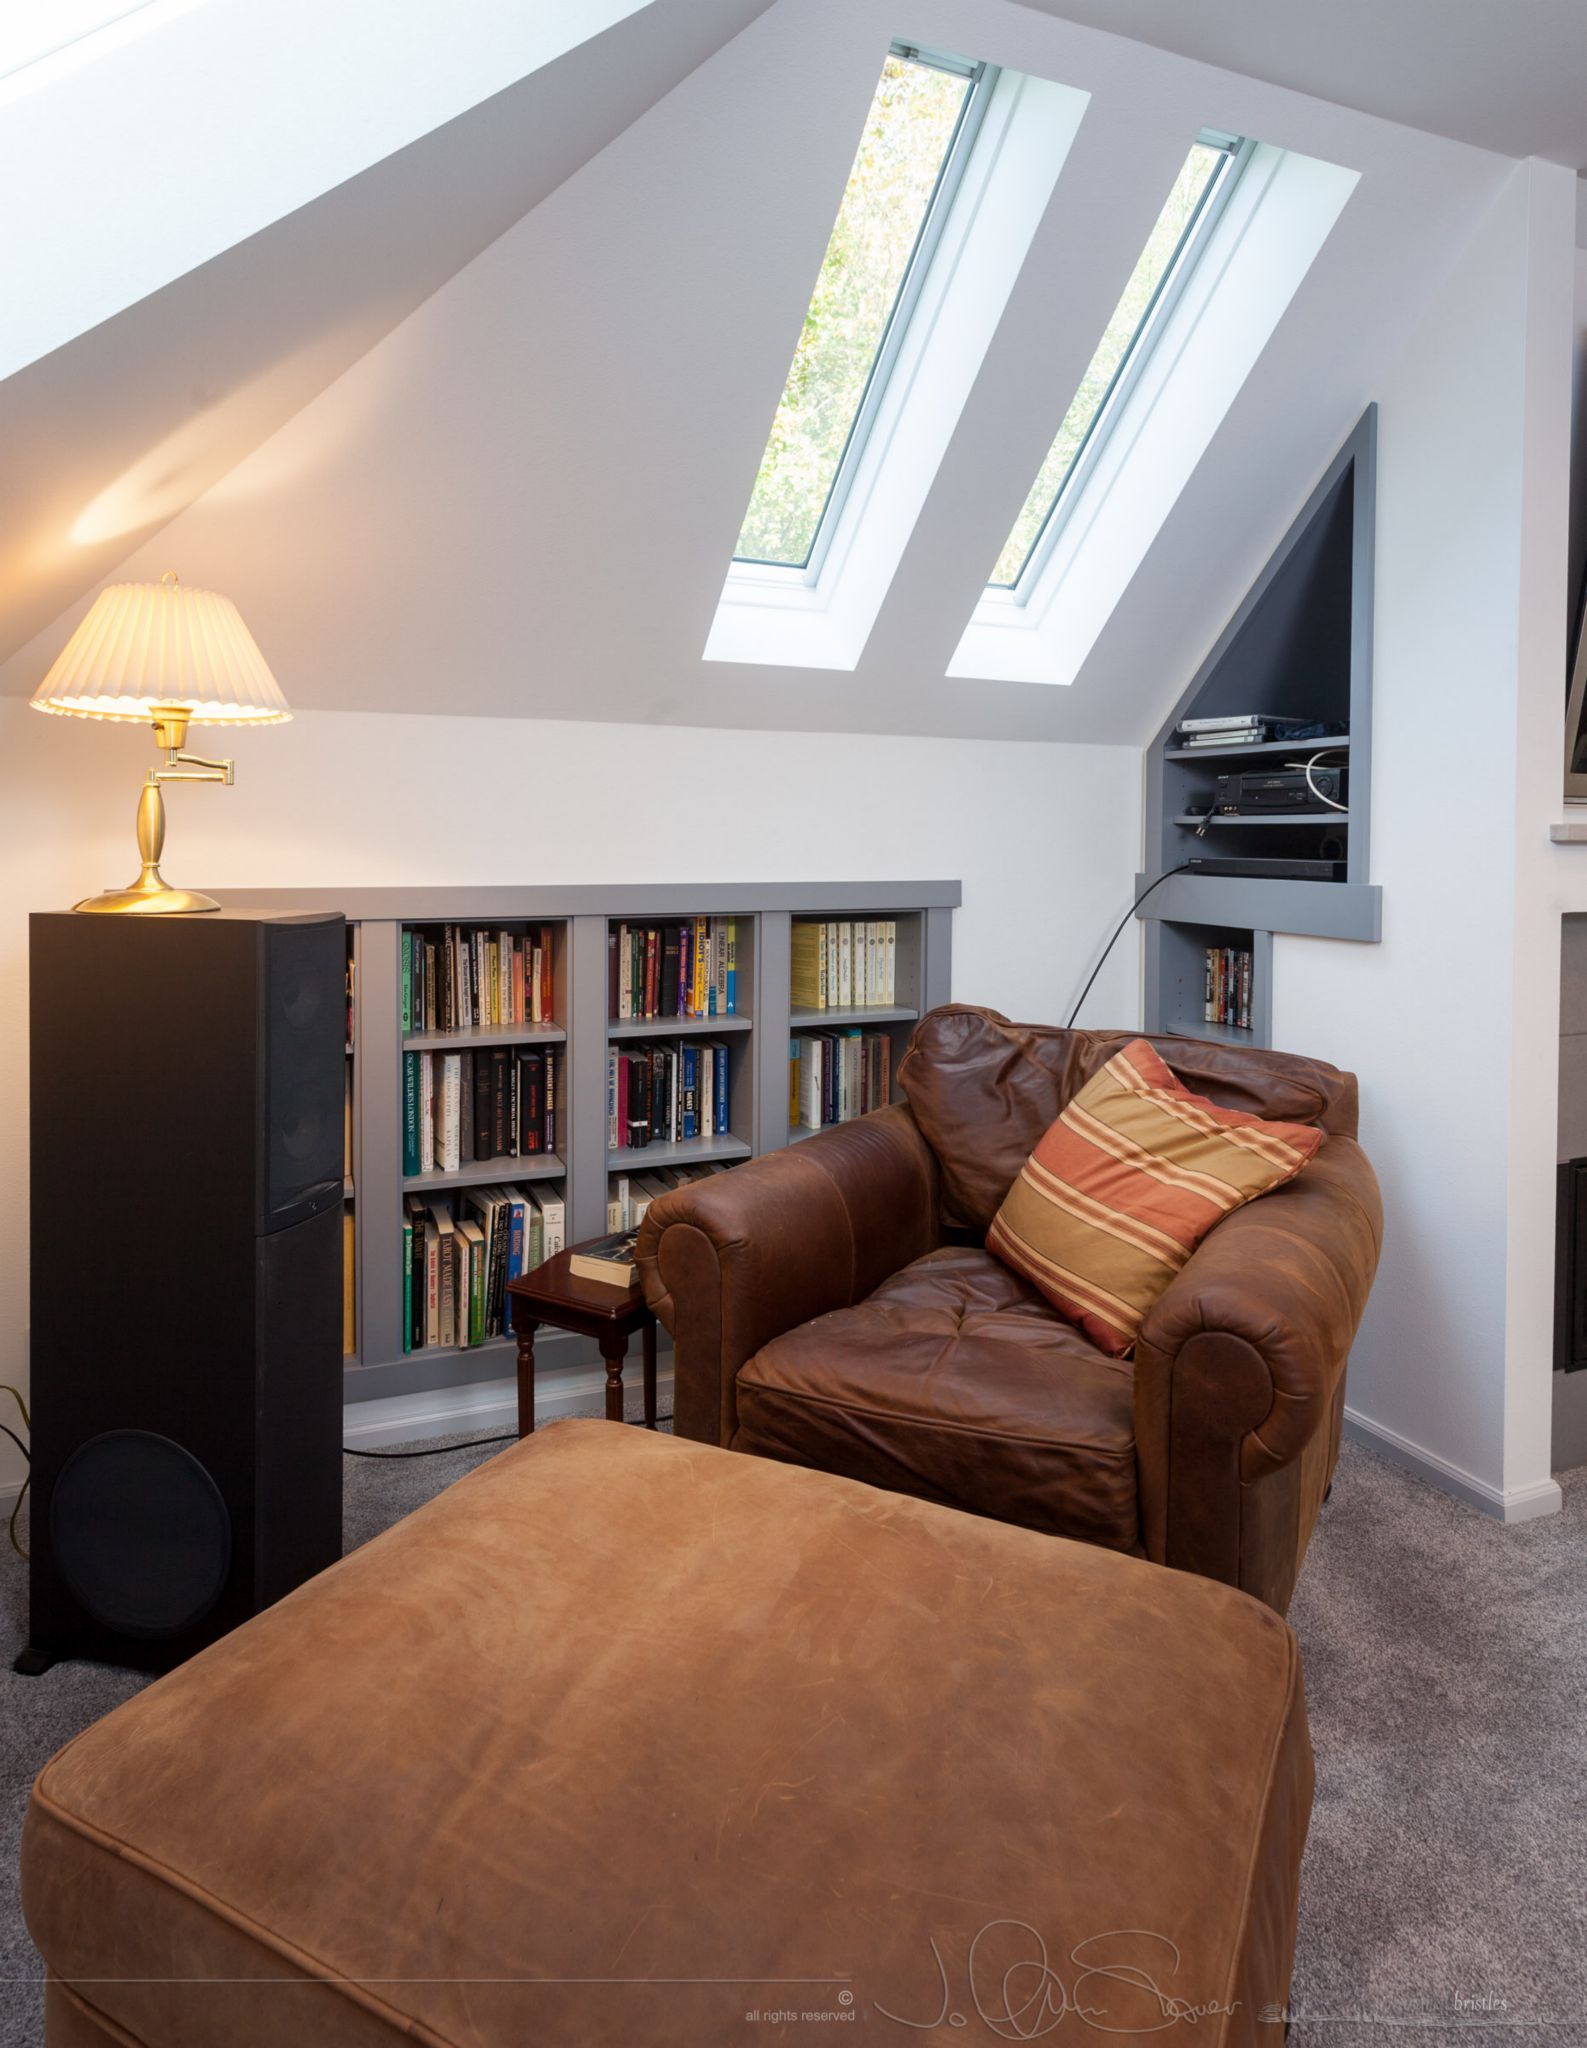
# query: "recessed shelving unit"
1299, 647
582, 1166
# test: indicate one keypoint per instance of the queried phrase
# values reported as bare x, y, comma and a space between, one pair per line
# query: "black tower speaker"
187, 1138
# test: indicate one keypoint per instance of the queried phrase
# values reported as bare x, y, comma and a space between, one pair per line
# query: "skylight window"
911, 156
1199, 192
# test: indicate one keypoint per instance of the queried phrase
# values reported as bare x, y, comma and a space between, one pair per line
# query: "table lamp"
165, 655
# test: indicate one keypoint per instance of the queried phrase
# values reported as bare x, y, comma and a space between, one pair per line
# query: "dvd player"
1269, 870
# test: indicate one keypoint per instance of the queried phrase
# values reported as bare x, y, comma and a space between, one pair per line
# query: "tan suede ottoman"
634, 1741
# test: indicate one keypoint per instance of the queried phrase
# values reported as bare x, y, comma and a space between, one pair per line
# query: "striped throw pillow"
1126, 1183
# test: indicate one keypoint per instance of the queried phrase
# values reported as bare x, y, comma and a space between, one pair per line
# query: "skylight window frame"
981, 78
1238, 151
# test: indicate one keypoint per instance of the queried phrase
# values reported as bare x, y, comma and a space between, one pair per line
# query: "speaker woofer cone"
140, 1533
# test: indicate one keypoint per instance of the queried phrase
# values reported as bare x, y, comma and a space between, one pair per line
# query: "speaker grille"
140, 1533
305, 1022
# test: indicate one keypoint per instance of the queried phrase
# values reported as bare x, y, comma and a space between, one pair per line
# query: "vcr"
1252, 790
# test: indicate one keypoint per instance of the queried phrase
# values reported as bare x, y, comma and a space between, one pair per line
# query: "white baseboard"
1517, 1504
491, 1406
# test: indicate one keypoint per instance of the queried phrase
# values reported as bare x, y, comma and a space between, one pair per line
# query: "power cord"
437, 1451
27, 1424
1306, 768
1112, 942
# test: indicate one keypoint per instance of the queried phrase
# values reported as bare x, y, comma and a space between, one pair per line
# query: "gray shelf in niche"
1339, 744
1211, 819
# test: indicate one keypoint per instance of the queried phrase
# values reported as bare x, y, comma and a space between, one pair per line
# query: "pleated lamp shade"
148, 644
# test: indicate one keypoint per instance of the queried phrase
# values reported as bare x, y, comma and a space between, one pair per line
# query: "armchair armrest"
730, 1262
1239, 1376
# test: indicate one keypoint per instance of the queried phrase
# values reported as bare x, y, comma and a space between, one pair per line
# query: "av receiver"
1251, 791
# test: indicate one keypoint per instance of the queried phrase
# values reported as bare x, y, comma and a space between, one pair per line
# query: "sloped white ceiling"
523, 500
109, 436
1507, 78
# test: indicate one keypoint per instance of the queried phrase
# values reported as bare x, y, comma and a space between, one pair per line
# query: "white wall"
1450, 1022
1044, 838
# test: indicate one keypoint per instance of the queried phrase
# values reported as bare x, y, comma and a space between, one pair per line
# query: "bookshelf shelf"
678, 1027
828, 1020
478, 1172
678, 1152
580, 920
1291, 818
501, 1034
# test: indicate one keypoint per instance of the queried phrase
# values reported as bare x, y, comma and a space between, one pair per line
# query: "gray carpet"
1446, 1666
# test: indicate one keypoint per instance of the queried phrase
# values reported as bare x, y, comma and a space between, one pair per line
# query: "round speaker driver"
140, 1533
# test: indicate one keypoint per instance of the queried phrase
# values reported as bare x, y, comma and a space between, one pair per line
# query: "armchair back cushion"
983, 1090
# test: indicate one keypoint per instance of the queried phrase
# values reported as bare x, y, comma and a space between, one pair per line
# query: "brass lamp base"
152, 902
150, 895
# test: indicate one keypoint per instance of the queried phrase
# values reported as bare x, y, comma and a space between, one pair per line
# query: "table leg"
614, 1350
526, 1376
649, 1342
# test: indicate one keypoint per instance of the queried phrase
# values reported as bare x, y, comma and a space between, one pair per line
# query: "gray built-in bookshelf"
1299, 647
581, 1166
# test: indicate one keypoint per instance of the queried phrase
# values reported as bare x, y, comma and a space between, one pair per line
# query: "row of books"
687, 969
459, 1253
470, 978
499, 1102
1229, 986
844, 965
657, 1094
835, 1076
629, 1195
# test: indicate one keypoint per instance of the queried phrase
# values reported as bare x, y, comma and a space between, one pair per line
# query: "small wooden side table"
589, 1308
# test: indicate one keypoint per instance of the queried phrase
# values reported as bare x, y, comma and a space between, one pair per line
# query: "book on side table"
607, 1259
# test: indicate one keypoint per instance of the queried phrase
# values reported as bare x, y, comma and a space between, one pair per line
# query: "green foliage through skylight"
1174, 223
908, 133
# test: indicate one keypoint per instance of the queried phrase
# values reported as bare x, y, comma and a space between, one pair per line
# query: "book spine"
554, 1214
407, 981
484, 1146
547, 976
427, 1112
611, 1101
732, 967
498, 1101
451, 1111
625, 976
410, 1113
407, 1283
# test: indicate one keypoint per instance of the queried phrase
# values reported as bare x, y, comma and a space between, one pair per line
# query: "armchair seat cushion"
955, 1382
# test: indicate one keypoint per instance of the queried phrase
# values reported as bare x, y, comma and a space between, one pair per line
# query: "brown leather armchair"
832, 1305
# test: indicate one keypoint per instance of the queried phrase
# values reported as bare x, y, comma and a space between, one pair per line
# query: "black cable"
21, 1446
438, 1451
1123, 921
